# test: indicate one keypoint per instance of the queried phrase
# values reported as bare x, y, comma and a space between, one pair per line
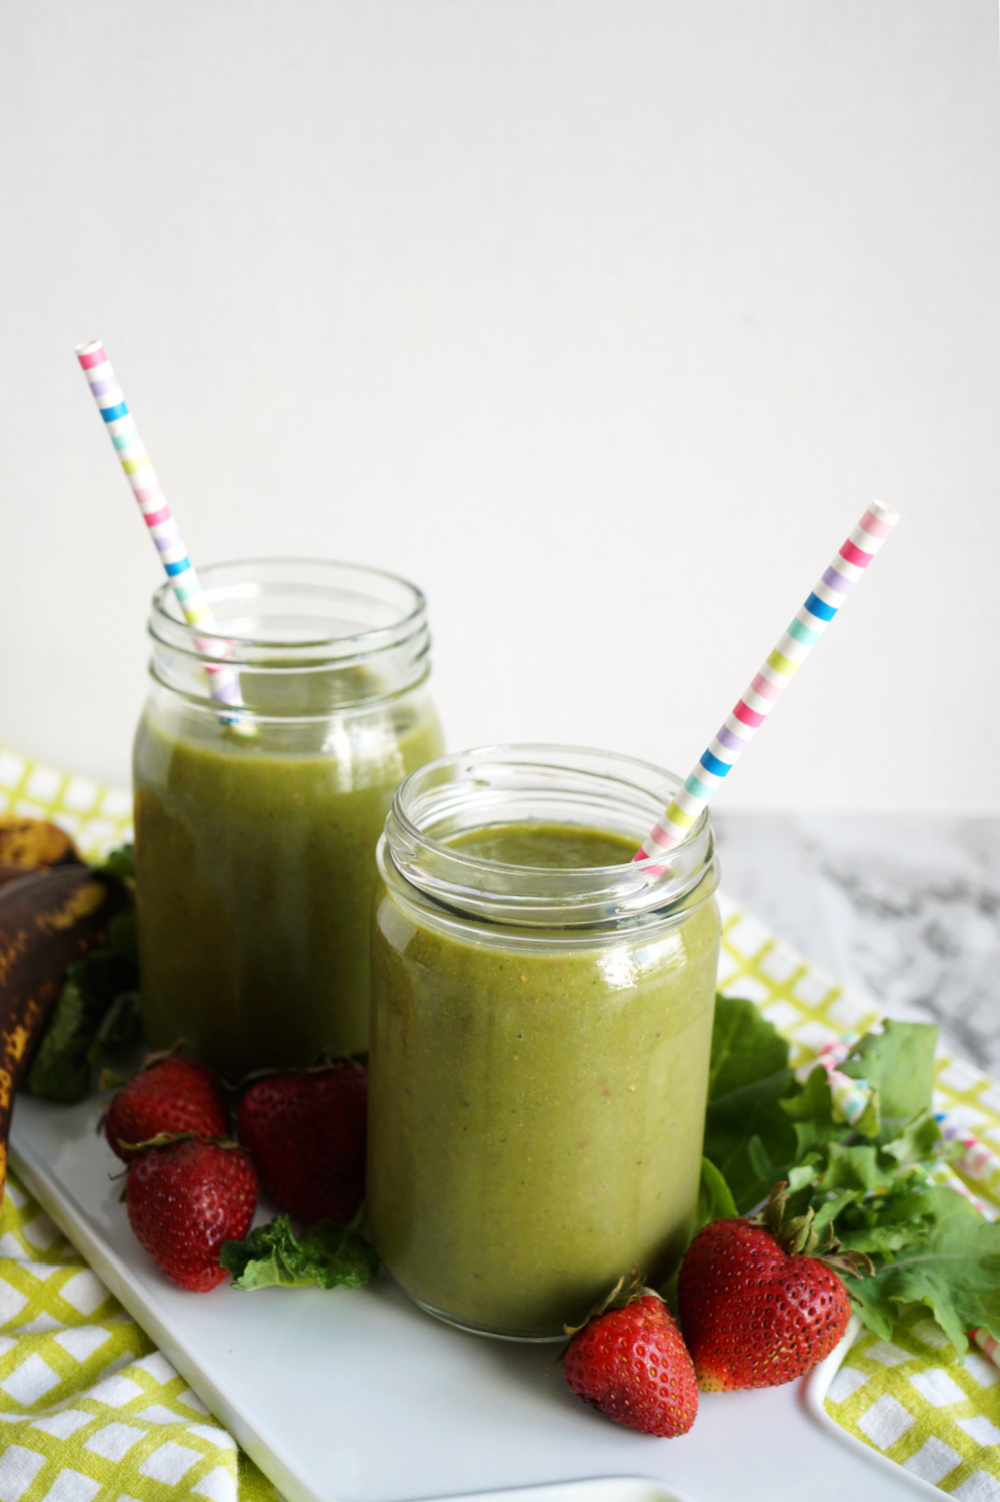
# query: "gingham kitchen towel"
88, 1404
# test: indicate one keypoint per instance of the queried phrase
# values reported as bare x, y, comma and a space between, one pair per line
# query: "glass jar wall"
541, 1031
256, 830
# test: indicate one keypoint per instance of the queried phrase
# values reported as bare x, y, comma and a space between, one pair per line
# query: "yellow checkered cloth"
914, 1400
86, 1401
98, 817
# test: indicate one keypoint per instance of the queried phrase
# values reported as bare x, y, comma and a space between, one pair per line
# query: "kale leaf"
327, 1255
97, 1010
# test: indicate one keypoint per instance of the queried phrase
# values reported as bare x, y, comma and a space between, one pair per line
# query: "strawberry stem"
797, 1236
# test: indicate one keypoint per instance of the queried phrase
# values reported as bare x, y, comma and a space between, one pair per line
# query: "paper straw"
223, 682
775, 675
977, 1161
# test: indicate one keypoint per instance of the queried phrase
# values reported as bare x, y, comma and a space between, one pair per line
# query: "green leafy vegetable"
865, 1182
746, 1047
747, 1136
809, 1107
920, 1141
715, 1202
119, 863
899, 1063
90, 1016
121, 1030
899, 1216
327, 1255
851, 1168
953, 1268
750, 1139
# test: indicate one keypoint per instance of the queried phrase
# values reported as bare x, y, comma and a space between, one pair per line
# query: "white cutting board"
355, 1396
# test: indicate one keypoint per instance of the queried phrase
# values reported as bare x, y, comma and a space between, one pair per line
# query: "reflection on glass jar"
255, 842
541, 1032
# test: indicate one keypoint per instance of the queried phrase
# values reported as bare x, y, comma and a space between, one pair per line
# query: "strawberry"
171, 1095
306, 1133
185, 1200
632, 1364
755, 1311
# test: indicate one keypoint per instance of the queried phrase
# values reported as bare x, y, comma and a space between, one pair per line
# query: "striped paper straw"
851, 1098
774, 677
977, 1161
224, 683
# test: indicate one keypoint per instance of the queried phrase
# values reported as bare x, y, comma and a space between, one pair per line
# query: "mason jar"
541, 1030
255, 829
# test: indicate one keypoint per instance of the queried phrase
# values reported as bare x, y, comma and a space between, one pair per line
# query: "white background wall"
600, 319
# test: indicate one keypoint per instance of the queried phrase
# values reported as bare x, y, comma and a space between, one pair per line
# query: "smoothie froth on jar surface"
537, 1086
255, 846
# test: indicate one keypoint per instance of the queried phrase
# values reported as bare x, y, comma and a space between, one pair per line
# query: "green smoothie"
255, 865
537, 1100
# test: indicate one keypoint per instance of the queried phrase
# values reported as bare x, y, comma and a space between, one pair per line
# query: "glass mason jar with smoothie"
541, 1030
255, 834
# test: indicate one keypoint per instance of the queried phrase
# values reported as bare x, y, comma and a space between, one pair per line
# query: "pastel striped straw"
773, 678
977, 1161
224, 683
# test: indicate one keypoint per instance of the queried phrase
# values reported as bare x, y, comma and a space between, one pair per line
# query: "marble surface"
902, 910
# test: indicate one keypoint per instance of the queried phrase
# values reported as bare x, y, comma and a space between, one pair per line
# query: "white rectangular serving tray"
358, 1397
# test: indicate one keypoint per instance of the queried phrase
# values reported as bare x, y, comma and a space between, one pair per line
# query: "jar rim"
553, 784
247, 579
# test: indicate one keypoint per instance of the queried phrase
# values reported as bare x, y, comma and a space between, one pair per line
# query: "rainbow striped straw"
224, 683
770, 683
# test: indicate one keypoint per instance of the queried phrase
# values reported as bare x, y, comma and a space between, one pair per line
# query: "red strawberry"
632, 1364
306, 1133
184, 1201
753, 1313
175, 1095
